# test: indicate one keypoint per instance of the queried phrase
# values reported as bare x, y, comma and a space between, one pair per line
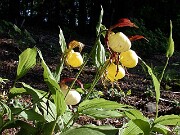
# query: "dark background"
82, 15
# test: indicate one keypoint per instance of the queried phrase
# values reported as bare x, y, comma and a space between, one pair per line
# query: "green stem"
31, 104
81, 69
52, 131
97, 77
85, 62
160, 79
157, 108
76, 114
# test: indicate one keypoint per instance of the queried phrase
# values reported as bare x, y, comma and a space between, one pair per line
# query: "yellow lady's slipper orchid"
119, 42
74, 59
129, 59
115, 72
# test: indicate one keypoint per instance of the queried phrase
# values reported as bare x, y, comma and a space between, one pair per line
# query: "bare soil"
142, 94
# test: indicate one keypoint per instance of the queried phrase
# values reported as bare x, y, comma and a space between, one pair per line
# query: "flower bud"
74, 59
129, 59
115, 72
119, 42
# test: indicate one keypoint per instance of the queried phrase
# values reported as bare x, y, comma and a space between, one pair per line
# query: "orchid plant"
55, 111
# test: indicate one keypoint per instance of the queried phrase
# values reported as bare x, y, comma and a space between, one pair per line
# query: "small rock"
151, 107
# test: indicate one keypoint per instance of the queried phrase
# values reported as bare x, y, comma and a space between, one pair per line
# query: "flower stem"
157, 107
85, 62
76, 114
160, 79
97, 77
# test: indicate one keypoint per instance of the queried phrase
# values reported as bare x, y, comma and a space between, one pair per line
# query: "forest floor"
135, 89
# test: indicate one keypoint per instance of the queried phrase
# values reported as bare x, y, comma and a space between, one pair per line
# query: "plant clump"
121, 55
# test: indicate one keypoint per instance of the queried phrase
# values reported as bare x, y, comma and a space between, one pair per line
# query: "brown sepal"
74, 44
124, 22
137, 37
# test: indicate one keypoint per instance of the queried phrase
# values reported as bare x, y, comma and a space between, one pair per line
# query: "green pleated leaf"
53, 87
143, 125
31, 115
49, 112
59, 102
170, 49
98, 26
155, 81
58, 71
102, 113
101, 104
26, 128
92, 130
170, 120
67, 116
130, 128
99, 51
62, 41
30, 38
16, 91
59, 68
135, 114
161, 129
48, 76
27, 60
99, 56
49, 128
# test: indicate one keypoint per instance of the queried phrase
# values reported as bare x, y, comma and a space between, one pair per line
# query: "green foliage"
92, 130
99, 54
62, 41
21, 36
4, 109
60, 103
49, 113
100, 108
170, 74
156, 83
53, 87
63, 46
139, 124
134, 114
99, 50
130, 128
168, 120
27, 60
